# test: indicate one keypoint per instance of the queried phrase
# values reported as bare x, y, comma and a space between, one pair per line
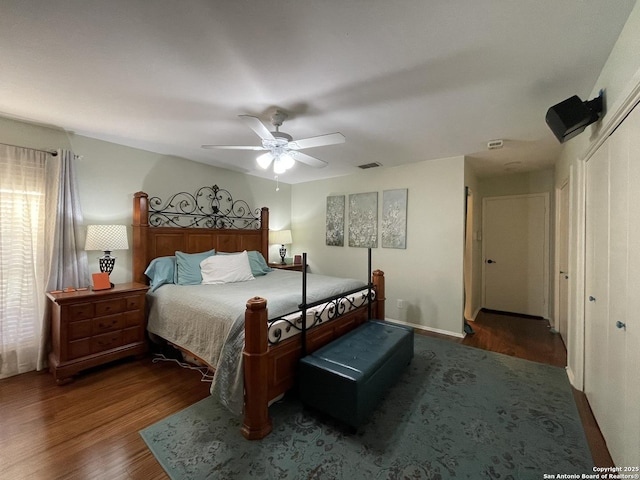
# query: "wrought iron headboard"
209, 207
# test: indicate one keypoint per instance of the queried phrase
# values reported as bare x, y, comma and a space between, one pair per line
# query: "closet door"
596, 382
612, 288
631, 332
618, 291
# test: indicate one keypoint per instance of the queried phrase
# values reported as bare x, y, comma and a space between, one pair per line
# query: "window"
22, 276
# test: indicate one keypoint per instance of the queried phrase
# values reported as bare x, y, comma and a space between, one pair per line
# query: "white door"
515, 253
612, 283
631, 331
563, 263
597, 377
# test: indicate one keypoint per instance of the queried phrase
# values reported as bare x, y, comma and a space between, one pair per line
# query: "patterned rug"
457, 412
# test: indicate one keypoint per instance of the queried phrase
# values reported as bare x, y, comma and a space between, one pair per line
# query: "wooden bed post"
140, 225
264, 227
378, 283
257, 423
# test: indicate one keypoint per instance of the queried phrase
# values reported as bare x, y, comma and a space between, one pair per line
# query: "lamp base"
283, 253
107, 262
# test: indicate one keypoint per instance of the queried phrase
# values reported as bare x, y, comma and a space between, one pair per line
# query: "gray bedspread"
208, 320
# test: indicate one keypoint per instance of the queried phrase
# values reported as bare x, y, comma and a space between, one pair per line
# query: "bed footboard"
270, 370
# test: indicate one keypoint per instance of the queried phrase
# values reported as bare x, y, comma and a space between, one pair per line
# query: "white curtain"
65, 260
35, 238
22, 281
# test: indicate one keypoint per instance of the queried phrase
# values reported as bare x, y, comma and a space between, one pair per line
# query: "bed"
255, 351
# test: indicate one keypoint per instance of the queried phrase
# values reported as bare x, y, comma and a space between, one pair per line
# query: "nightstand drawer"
134, 303
107, 324
107, 307
77, 330
133, 319
80, 311
132, 335
79, 348
106, 341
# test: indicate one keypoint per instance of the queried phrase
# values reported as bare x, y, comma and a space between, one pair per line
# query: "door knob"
592, 299
491, 261
620, 324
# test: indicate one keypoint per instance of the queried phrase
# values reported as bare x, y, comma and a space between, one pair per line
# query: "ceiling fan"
280, 147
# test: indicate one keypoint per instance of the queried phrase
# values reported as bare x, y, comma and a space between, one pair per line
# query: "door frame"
557, 242
545, 260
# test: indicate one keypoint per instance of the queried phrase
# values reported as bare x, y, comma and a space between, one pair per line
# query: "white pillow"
226, 269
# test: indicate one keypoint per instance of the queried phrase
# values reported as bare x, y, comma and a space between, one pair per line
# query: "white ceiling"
403, 80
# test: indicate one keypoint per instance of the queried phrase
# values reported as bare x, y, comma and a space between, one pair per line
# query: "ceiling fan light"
287, 160
279, 166
264, 160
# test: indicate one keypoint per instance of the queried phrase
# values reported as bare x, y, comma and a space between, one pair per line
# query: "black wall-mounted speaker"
570, 117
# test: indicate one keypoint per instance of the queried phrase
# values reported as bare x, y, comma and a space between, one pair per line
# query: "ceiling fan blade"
308, 159
257, 126
235, 147
319, 141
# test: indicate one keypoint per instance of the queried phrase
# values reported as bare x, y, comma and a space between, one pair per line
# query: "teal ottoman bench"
347, 378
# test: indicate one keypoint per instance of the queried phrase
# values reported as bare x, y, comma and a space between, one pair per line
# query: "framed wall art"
363, 220
335, 220
394, 218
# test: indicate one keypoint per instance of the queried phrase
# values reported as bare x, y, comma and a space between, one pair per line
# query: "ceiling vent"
495, 144
370, 165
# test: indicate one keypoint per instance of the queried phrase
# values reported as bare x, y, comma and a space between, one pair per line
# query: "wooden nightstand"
91, 328
288, 266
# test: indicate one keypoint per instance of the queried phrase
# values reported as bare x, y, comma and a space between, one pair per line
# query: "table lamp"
106, 238
282, 238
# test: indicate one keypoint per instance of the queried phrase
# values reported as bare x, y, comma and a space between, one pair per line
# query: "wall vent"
370, 165
495, 144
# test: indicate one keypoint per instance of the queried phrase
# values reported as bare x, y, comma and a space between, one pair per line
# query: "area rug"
457, 412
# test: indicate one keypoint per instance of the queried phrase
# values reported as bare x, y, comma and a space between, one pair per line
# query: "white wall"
428, 274
109, 175
619, 76
620, 73
517, 184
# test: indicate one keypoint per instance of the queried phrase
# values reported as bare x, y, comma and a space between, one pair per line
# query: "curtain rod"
53, 153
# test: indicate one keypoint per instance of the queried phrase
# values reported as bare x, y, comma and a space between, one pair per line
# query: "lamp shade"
281, 237
265, 160
106, 238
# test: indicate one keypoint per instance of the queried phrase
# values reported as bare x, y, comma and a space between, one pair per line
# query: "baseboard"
427, 329
513, 314
572, 379
475, 315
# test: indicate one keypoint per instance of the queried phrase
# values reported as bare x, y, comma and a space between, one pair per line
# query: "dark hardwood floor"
89, 428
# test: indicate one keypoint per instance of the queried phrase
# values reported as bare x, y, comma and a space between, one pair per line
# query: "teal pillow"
256, 261
161, 271
188, 267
